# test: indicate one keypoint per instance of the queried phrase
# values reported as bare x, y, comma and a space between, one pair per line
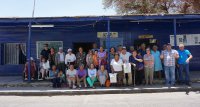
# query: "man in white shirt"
60, 59
125, 58
70, 58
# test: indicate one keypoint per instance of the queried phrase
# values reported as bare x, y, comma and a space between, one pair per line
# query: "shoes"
188, 84
74, 87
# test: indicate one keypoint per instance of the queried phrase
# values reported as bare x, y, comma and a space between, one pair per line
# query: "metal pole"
29, 43
174, 24
108, 41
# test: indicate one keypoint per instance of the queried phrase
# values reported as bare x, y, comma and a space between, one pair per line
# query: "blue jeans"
170, 75
184, 67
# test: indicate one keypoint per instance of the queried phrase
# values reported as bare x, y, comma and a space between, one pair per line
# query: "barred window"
14, 53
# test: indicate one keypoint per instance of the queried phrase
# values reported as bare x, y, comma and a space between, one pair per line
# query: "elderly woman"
33, 69
117, 67
102, 75
137, 64
81, 75
157, 61
148, 66
71, 76
92, 76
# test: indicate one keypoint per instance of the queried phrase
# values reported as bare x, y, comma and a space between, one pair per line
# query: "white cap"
69, 50
32, 59
60, 48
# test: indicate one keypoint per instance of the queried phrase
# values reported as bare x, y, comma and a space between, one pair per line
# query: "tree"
153, 6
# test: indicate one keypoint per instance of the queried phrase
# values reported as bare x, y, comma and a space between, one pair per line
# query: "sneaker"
73, 86
26, 79
79, 86
85, 86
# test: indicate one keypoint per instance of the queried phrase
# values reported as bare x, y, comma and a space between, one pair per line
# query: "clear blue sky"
47, 8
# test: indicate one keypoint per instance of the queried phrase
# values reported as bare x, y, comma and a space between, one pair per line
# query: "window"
51, 44
13, 53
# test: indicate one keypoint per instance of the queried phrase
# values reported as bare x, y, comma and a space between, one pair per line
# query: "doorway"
85, 45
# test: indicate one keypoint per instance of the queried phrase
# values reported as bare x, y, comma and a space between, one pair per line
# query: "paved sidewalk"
16, 86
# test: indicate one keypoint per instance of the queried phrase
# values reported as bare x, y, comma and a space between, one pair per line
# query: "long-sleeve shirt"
70, 58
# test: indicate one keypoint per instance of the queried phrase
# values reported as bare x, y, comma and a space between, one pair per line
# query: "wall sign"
186, 39
145, 36
104, 34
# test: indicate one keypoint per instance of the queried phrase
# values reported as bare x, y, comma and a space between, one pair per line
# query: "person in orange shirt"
95, 59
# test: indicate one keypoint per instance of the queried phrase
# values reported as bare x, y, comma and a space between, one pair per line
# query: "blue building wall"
128, 31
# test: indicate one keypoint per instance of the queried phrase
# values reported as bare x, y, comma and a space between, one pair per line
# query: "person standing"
45, 52
70, 58
183, 63
142, 50
169, 57
52, 57
95, 59
80, 57
112, 53
137, 64
89, 58
102, 55
60, 60
148, 66
125, 58
157, 62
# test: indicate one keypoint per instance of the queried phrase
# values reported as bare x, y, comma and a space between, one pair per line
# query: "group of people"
145, 64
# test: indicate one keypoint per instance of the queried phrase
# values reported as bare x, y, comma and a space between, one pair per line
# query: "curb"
95, 91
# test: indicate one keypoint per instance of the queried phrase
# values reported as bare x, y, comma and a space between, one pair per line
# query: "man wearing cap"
60, 59
70, 58
183, 63
125, 58
169, 56
45, 52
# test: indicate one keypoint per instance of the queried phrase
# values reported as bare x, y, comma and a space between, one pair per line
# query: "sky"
48, 8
